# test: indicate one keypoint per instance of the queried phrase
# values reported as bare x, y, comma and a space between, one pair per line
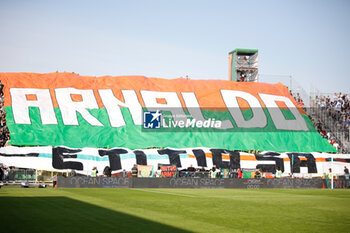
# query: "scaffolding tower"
243, 65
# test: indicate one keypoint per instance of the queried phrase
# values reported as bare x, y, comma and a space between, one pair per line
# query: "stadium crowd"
338, 107
337, 110
298, 99
7, 173
4, 132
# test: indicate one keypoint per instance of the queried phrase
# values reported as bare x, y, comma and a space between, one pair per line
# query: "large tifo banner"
83, 160
137, 112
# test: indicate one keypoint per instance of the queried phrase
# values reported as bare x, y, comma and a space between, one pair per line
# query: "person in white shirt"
336, 146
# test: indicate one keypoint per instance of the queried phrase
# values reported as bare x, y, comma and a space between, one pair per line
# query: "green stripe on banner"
133, 137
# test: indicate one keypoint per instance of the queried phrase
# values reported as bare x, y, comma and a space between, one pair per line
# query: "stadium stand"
4, 132
298, 99
332, 119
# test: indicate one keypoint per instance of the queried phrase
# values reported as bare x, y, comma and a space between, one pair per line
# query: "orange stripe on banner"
288, 160
252, 158
227, 157
304, 159
207, 155
207, 91
248, 157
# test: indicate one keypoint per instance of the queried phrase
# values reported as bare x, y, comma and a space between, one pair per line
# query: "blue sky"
169, 39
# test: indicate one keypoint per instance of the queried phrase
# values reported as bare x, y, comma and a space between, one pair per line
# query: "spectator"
107, 172
278, 173
191, 168
335, 114
134, 171
73, 173
6, 174
54, 181
159, 172
234, 173
213, 172
240, 173
329, 175
124, 173
94, 172
257, 174
336, 146
191, 171
12, 174
346, 172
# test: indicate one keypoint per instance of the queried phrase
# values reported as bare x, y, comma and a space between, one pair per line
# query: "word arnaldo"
174, 102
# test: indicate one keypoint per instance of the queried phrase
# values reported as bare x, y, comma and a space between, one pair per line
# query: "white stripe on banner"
118, 159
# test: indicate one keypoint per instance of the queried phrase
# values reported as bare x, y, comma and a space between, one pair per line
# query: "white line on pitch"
175, 194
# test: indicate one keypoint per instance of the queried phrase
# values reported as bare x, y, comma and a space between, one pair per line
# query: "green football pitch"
173, 210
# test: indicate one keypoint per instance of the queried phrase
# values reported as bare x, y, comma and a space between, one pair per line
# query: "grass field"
173, 210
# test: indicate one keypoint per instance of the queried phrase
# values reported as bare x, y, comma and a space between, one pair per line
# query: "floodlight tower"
243, 65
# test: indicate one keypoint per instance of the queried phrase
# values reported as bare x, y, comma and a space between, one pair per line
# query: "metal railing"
334, 122
18, 174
